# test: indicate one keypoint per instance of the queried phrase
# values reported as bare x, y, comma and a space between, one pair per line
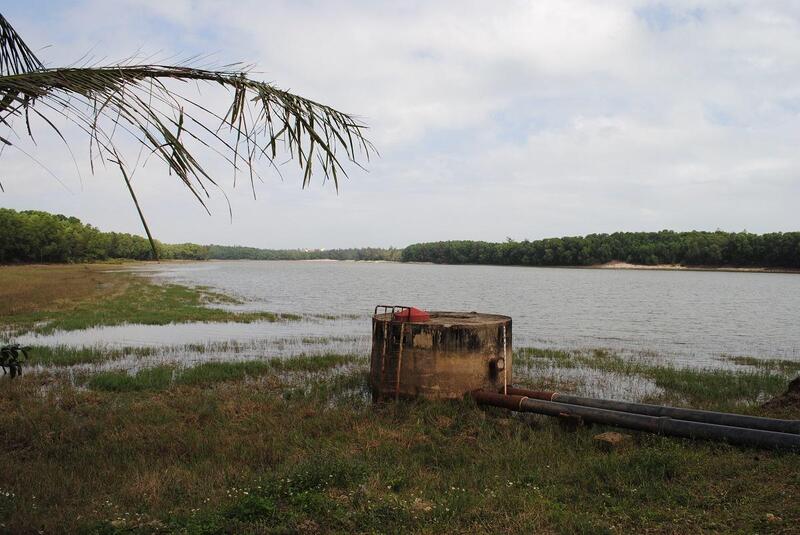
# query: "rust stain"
423, 340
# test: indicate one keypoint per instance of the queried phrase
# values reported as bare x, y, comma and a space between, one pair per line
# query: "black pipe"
677, 413
659, 425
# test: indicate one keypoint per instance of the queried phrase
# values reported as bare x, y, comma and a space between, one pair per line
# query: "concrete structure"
444, 357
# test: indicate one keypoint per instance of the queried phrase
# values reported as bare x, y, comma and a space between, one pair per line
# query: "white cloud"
526, 119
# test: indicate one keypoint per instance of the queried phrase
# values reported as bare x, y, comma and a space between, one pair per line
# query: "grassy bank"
296, 445
43, 299
288, 445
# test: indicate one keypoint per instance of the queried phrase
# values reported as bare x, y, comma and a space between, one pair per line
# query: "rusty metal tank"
438, 355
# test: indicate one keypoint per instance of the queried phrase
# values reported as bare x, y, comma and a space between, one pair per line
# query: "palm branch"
143, 102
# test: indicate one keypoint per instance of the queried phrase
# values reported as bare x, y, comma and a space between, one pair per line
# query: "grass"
70, 356
28, 289
63, 356
295, 445
106, 299
209, 373
737, 390
791, 367
176, 456
157, 378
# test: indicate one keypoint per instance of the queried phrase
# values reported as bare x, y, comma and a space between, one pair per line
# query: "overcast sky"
493, 119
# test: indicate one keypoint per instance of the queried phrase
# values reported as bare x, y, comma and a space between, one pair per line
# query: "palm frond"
15, 56
144, 102
138, 99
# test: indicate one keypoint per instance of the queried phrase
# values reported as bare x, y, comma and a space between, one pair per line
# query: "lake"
689, 316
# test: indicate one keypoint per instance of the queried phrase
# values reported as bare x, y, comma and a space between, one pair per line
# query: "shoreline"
679, 267
613, 265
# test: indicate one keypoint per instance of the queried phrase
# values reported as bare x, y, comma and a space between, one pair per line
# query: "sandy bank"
615, 264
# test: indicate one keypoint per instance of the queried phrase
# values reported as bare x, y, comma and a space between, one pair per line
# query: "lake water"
689, 316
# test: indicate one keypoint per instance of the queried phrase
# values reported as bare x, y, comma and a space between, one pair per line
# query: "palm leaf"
15, 56
147, 103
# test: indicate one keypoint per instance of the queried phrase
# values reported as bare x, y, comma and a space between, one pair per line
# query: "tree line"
695, 248
236, 252
35, 236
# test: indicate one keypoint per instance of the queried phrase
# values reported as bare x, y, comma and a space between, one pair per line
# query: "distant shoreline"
614, 265
609, 265
678, 267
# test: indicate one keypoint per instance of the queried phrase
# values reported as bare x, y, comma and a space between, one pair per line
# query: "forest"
695, 248
35, 236
235, 252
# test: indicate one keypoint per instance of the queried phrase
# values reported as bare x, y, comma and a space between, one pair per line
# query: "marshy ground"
116, 440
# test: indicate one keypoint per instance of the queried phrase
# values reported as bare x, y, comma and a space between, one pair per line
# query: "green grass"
204, 450
148, 379
70, 356
702, 388
313, 363
209, 373
790, 367
141, 302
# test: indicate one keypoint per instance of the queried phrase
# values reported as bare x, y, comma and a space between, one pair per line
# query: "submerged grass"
60, 355
209, 373
70, 356
791, 367
724, 389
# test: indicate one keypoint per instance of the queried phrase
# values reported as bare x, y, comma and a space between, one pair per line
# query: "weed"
787, 367
149, 379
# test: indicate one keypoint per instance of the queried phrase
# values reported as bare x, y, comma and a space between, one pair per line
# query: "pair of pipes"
690, 423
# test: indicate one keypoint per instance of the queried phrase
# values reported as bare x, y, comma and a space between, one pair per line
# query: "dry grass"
51, 298
40, 288
260, 456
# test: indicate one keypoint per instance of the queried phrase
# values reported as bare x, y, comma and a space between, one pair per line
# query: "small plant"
12, 357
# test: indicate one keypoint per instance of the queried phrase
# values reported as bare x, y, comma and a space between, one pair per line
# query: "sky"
493, 119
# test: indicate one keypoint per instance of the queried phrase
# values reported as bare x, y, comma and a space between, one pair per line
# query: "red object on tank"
411, 314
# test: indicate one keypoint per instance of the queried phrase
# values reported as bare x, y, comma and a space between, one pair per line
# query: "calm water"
689, 316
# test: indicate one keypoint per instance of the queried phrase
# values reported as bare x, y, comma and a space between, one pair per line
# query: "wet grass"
148, 379
791, 367
701, 388
209, 373
70, 356
219, 453
65, 356
331, 317
322, 340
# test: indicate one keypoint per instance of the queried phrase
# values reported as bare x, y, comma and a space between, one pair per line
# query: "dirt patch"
790, 398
